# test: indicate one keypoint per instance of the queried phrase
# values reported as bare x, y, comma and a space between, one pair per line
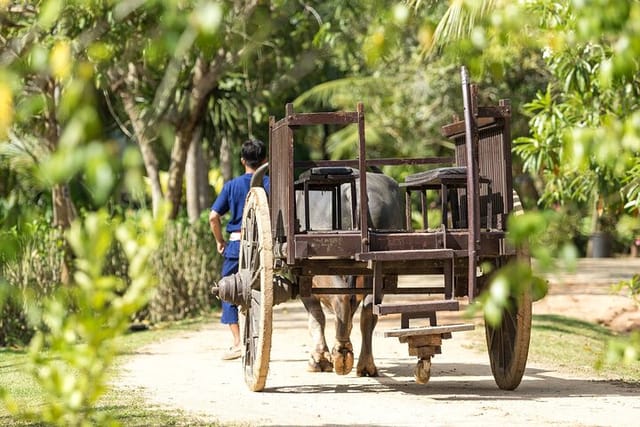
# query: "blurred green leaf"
50, 12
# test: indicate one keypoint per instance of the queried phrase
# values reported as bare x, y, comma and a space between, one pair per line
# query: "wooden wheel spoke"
255, 279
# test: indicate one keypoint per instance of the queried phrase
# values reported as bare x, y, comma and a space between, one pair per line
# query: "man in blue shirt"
231, 199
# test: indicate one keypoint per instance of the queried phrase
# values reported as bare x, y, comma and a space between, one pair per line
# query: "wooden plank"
425, 351
426, 306
340, 291
307, 164
414, 254
457, 128
491, 112
421, 340
429, 330
329, 118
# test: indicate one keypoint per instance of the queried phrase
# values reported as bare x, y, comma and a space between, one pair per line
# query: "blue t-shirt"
232, 197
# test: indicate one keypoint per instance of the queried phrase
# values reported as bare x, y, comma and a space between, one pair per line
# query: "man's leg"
230, 311
235, 331
230, 317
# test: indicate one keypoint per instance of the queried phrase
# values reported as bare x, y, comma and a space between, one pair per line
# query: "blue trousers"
229, 267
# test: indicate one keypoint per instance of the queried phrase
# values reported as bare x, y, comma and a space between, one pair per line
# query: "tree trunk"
64, 212
149, 157
176, 171
196, 175
226, 164
205, 77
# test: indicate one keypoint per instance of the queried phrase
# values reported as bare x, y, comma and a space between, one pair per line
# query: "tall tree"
183, 60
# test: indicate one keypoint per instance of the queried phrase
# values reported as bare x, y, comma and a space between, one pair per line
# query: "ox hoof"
320, 363
342, 361
366, 368
422, 372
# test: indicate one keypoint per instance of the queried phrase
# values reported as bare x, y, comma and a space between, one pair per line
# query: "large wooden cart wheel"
508, 343
256, 263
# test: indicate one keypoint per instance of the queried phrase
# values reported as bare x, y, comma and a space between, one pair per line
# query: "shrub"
71, 354
186, 264
34, 273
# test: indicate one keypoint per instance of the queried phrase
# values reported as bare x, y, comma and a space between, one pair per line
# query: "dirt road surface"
186, 373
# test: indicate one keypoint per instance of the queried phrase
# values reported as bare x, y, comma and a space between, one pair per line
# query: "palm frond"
342, 93
22, 155
459, 21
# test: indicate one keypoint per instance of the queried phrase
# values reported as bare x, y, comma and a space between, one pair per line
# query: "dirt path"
186, 373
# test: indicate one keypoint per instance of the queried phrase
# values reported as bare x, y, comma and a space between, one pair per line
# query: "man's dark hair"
254, 152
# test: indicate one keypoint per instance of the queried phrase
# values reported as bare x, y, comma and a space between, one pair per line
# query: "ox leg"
366, 366
320, 357
342, 352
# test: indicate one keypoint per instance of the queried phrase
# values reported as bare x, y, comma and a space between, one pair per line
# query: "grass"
576, 346
129, 408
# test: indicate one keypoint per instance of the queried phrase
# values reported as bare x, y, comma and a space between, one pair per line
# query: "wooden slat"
421, 340
428, 330
405, 255
497, 111
340, 291
457, 128
414, 307
306, 164
330, 118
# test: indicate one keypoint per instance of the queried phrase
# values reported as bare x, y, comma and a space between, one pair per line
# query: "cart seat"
447, 180
326, 171
435, 176
439, 176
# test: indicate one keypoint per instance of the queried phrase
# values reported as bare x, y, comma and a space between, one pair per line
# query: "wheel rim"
255, 263
508, 343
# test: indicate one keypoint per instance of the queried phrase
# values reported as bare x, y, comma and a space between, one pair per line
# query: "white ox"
386, 212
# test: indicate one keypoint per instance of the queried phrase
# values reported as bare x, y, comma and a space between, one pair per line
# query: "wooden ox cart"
280, 253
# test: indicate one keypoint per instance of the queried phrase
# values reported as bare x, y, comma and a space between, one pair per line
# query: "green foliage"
545, 233
584, 131
625, 350
584, 127
405, 107
577, 159
14, 328
506, 286
186, 264
632, 285
70, 356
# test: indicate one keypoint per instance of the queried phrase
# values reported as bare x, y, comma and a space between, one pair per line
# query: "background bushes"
34, 273
186, 263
